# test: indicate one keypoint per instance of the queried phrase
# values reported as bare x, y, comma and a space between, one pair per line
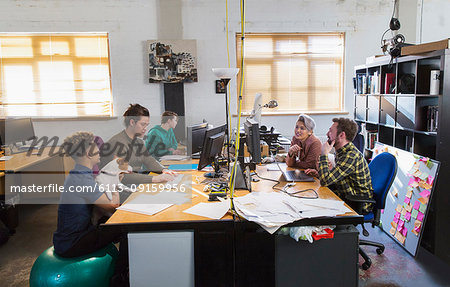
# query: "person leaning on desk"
305, 146
351, 173
75, 234
128, 144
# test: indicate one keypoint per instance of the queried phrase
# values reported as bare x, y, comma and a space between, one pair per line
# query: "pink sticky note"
411, 181
430, 180
417, 228
424, 159
420, 216
408, 216
396, 220
425, 193
407, 200
397, 214
399, 227
404, 231
401, 223
416, 205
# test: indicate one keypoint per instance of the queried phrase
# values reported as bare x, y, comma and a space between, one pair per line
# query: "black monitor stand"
216, 165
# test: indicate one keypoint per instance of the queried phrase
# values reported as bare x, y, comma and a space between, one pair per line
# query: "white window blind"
55, 74
302, 71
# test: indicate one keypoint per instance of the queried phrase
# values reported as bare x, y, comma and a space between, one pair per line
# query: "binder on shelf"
372, 138
389, 83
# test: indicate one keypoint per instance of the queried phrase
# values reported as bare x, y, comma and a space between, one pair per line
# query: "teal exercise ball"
94, 269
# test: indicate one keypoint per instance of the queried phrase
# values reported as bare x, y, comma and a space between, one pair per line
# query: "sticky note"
420, 216
423, 176
407, 199
395, 192
415, 232
416, 205
401, 223
425, 193
408, 216
417, 223
414, 184
423, 200
423, 208
409, 207
430, 180
399, 208
424, 159
404, 231
414, 213
400, 237
430, 164
394, 224
396, 220
409, 193
397, 215
403, 212
402, 217
392, 231
399, 227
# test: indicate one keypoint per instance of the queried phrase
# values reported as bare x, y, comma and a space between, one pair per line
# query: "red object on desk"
329, 234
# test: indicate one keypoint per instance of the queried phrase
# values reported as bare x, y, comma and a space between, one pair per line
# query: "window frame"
279, 35
77, 63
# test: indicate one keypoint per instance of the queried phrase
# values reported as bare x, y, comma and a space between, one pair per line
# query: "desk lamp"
225, 75
258, 106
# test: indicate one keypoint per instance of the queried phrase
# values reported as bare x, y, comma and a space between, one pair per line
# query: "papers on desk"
148, 209
174, 157
276, 166
272, 210
214, 210
6, 157
141, 203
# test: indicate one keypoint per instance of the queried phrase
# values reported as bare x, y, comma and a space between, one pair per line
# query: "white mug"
434, 82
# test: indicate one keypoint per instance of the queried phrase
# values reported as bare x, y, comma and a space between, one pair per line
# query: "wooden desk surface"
175, 214
20, 161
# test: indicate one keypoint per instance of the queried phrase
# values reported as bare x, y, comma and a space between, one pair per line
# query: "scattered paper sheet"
6, 157
148, 209
214, 210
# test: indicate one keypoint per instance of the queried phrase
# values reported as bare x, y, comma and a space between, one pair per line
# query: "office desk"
230, 252
42, 169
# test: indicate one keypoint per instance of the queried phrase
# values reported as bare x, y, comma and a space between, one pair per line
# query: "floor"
394, 268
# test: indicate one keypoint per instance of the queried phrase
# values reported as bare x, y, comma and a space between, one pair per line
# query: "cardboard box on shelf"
426, 47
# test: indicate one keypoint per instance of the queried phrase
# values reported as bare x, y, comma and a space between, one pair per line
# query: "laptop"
295, 175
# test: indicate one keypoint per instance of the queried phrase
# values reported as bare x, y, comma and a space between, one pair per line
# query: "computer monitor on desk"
212, 147
195, 137
13, 131
253, 140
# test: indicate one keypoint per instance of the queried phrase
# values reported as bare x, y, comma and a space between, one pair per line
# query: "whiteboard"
408, 200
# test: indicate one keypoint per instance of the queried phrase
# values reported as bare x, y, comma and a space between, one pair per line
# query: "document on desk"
6, 157
214, 210
276, 166
272, 210
141, 203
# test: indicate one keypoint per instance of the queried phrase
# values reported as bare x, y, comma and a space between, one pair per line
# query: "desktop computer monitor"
253, 139
212, 146
16, 130
195, 137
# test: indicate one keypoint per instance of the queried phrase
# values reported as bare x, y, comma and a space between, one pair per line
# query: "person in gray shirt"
129, 145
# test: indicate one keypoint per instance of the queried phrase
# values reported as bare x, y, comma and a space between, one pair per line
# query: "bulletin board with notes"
407, 202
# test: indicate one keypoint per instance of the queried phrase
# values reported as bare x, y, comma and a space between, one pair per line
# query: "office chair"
383, 169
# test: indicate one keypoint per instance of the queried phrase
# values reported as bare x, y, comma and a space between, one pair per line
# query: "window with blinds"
302, 71
55, 74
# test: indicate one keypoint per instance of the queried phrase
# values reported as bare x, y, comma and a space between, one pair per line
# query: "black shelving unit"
399, 114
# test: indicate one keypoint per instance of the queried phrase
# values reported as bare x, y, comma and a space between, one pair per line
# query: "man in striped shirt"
351, 173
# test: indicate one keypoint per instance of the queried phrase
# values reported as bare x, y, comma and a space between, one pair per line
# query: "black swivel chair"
383, 169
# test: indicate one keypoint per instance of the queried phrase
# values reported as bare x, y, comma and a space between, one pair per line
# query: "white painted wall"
435, 22
131, 23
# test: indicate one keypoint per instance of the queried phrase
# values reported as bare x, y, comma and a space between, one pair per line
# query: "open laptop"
295, 175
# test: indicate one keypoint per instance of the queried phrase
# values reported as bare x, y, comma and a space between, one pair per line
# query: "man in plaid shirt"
351, 174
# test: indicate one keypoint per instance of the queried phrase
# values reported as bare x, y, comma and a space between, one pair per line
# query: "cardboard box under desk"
426, 47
